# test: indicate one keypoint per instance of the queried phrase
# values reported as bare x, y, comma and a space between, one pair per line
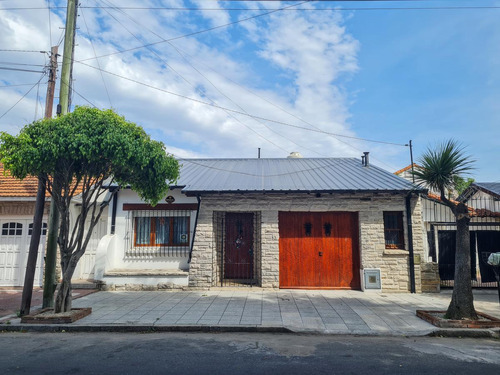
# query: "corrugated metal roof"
493, 187
286, 175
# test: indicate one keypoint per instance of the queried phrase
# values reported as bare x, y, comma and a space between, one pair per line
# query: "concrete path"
328, 312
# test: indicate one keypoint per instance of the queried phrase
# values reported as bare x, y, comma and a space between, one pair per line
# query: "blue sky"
381, 74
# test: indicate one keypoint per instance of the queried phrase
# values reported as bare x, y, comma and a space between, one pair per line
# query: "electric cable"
22, 97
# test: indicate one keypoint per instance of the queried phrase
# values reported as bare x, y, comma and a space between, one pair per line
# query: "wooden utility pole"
49, 285
29, 277
49, 102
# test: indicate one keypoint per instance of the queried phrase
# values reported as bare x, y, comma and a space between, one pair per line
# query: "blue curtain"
180, 230
143, 228
162, 231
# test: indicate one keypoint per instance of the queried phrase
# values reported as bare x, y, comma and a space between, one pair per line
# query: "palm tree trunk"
462, 300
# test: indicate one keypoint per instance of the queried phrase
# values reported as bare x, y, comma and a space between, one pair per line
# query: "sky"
223, 78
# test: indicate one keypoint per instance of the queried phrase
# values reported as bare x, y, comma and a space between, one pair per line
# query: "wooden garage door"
319, 250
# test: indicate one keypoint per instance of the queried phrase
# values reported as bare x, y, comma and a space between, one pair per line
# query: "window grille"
159, 233
394, 230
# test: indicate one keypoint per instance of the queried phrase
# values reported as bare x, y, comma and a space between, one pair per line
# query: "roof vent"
365, 160
294, 155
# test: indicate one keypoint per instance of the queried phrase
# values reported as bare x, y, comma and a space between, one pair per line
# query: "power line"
19, 64
16, 103
208, 80
21, 50
337, 9
240, 112
20, 84
20, 70
97, 60
200, 31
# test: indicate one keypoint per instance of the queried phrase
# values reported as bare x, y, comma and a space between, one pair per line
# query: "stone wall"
431, 282
394, 264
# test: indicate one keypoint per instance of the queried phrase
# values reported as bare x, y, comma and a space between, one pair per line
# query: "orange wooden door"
319, 250
238, 249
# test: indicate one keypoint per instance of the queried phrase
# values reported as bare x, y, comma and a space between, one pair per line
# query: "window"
44, 229
12, 229
393, 230
161, 231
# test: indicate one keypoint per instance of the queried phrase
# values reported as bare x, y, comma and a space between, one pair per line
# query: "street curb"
466, 333
147, 328
139, 328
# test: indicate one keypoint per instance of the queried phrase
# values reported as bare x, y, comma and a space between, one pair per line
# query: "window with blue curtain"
161, 231
181, 229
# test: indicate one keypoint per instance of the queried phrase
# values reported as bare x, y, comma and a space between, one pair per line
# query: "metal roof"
492, 187
286, 175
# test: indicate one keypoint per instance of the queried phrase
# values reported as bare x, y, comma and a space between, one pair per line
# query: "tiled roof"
474, 212
12, 187
406, 168
286, 175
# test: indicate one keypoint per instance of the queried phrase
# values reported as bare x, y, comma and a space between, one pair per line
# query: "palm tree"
438, 168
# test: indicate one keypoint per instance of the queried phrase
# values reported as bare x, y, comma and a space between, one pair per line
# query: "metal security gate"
484, 230
236, 249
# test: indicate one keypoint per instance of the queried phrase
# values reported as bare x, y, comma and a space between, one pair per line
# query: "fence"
484, 237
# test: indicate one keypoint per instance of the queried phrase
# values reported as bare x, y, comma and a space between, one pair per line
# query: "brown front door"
319, 250
238, 249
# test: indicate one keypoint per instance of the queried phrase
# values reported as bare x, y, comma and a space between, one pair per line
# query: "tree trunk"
63, 299
29, 277
462, 300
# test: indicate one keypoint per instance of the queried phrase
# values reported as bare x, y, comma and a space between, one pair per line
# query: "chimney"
366, 159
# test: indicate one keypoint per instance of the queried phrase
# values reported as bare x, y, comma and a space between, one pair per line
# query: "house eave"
193, 193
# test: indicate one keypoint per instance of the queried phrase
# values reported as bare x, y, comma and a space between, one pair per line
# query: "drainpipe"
410, 242
113, 214
194, 230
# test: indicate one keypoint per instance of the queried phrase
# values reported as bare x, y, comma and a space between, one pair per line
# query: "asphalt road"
245, 353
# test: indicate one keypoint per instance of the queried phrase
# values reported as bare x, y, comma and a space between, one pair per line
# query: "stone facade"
394, 264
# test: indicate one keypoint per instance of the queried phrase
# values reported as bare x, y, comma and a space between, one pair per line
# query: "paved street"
242, 353
329, 312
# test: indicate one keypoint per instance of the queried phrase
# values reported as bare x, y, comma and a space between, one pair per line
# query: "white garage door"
15, 236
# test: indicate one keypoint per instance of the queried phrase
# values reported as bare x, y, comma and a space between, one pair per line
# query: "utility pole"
67, 64
50, 282
29, 277
411, 161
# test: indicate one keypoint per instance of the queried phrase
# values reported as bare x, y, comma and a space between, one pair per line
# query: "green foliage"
98, 144
461, 183
440, 166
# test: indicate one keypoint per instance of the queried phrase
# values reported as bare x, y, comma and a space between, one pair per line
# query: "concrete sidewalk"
253, 309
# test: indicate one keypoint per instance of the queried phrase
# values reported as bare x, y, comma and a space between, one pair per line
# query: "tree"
461, 183
84, 153
439, 168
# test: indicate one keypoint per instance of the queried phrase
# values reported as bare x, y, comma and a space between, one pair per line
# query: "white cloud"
309, 52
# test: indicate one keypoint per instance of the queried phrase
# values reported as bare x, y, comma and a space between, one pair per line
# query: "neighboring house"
325, 223
17, 205
407, 174
482, 195
440, 224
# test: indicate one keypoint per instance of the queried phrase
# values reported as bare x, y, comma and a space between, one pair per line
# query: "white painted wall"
117, 253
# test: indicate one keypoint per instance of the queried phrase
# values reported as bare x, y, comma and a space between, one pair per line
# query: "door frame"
223, 242
355, 252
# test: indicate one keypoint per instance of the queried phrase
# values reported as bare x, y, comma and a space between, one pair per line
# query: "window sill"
395, 252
